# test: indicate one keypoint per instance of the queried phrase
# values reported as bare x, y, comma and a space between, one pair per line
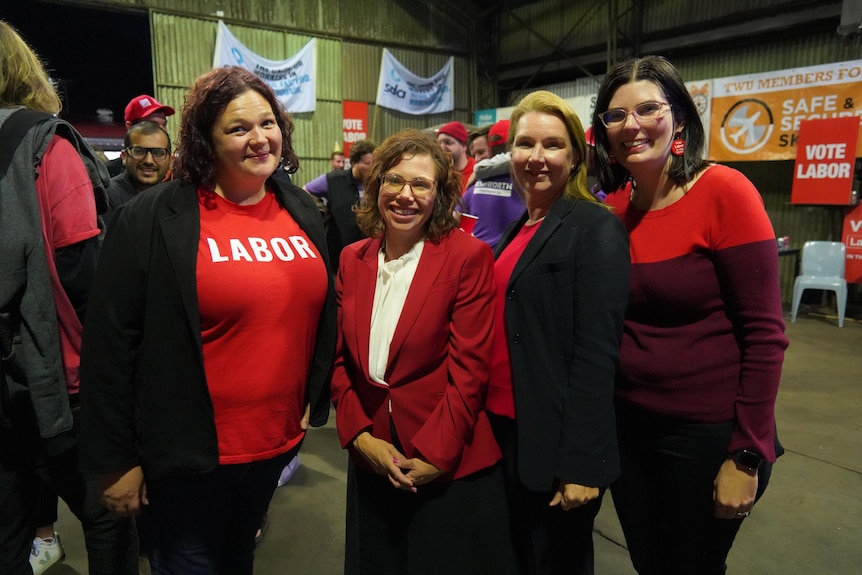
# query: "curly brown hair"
406, 144
206, 100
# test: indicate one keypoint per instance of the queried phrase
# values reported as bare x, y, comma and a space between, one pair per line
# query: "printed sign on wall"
292, 80
355, 122
825, 159
853, 242
400, 89
758, 116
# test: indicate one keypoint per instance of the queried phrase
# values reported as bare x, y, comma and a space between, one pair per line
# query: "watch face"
748, 459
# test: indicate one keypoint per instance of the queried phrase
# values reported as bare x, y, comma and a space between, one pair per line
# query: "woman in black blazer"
562, 278
210, 335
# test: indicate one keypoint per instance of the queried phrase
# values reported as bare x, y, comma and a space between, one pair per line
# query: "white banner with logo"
399, 89
292, 80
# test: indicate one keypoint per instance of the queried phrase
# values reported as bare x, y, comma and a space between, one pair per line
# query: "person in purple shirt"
493, 198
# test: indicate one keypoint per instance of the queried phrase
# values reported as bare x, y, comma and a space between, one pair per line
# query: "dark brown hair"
206, 100
406, 144
662, 73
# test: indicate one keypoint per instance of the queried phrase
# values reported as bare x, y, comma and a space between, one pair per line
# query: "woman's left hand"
571, 495
419, 472
734, 491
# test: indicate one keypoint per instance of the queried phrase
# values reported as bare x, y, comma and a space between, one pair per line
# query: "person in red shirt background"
51, 188
452, 137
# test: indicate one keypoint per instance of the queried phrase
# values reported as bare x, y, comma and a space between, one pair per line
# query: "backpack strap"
13, 131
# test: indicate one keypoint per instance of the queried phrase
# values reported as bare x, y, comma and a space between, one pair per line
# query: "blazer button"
517, 338
511, 296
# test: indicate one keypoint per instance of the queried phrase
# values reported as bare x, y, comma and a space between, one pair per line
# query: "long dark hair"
662, 73
207, 98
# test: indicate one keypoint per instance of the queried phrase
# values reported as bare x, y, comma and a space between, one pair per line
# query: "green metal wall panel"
360, 71
183, 47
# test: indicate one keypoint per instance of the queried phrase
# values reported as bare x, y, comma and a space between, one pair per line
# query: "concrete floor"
808, 522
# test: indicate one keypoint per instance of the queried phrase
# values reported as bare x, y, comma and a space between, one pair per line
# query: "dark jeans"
664, 497
205, 523
547, 540
24, 464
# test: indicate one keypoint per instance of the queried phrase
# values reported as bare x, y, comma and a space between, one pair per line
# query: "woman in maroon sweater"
704, 336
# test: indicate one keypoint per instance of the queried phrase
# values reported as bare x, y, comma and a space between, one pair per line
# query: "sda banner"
292, 80
399, 89
757, 116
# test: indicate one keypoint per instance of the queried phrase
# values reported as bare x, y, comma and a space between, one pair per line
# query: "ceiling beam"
692, 40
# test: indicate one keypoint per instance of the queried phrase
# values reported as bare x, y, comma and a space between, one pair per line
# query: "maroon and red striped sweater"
704, 333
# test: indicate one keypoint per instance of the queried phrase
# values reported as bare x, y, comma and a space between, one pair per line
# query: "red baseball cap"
499, 133
456, 130
143, 106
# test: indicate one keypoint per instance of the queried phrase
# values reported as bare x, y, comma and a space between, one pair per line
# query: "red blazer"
438, 360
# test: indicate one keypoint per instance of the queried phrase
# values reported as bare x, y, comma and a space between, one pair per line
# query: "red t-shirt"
467, 172
500, 399
261, 285
68, 209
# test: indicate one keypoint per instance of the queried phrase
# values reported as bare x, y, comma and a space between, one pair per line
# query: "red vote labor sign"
852, 238
825, 158
355, 123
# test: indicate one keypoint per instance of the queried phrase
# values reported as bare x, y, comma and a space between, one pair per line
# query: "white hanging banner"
292, 80
399, 89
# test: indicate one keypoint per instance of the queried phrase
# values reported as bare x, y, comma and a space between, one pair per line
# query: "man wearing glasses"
141, 108
146, 158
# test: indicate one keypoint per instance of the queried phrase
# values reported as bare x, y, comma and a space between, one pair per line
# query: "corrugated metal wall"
348, 65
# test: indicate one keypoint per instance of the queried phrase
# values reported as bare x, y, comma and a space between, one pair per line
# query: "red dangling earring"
612, 159
677, 147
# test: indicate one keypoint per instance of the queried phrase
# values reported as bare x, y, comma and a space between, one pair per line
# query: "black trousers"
664, 496
547, 540
204, 523
112, 543
457, 528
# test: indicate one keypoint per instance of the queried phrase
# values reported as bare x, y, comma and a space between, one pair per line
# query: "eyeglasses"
393, 184
643, 113
140, 152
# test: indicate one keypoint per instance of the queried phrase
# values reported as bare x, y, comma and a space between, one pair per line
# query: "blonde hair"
549, 103
23, 79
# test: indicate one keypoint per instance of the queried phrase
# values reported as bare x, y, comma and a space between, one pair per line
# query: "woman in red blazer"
415, 309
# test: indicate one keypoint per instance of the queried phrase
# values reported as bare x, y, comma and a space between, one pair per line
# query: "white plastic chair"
822, 268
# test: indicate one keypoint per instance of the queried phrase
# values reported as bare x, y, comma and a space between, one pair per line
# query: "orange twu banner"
757, 116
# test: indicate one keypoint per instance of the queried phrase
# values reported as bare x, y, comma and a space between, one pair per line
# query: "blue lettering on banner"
237, 55
395, 91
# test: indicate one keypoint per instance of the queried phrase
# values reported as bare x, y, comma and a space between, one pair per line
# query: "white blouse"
393, 283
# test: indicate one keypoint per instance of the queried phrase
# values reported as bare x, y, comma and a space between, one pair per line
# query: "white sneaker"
46, 552
288, 471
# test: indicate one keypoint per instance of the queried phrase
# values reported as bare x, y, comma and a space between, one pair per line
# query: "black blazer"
144, 395
564, 310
